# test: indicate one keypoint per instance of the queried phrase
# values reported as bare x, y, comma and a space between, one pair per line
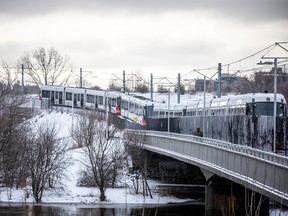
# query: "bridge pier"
228, 198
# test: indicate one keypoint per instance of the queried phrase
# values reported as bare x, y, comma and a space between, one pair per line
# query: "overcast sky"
153, 36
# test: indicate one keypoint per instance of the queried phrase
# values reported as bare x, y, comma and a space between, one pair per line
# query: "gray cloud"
258, 10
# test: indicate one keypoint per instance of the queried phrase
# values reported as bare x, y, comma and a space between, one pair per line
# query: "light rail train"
140, 109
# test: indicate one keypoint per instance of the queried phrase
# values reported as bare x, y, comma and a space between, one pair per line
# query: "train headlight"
268, 99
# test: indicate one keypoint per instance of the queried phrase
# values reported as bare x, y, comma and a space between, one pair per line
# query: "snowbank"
71, 193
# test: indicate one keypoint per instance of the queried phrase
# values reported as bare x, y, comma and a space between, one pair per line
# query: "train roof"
136, 99
141, 100
247, 98
231, 100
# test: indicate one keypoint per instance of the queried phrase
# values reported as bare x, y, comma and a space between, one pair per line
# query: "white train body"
140, 109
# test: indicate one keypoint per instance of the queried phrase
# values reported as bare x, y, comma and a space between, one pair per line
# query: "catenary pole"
80, 77
219, 81
275, 106
124, 87
22, 72
178, 89
204, 106
151, 87
168, 110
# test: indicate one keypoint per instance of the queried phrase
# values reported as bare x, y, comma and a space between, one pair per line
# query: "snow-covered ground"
72, 193
82, 195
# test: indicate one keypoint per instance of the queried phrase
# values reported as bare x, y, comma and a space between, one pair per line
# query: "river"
103, 210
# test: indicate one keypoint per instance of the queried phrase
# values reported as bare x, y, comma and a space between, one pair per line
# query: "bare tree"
12, 168
142, 87
10, 113
114, 85
103, 157
135, 141
162, 89
46, 160
9, 75
182, 88
261, 82
47, 67
12, 133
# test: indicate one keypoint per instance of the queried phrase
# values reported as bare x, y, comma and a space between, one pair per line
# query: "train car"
95, 99
140, 109
114, 102
55, 94
258, 104
75, 97
136, 108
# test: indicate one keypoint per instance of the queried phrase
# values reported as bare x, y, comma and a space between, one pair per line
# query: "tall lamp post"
278, 45
275, 101
275, 106
168, 110
204, 97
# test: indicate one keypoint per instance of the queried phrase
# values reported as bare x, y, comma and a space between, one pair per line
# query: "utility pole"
204, 107
168, 110
151, 87
178, 89
219, 81
275, 106
124, 87
80, 77
22, 67
276, 58
107, 116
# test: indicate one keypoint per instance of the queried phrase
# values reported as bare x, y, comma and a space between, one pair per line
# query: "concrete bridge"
260, 171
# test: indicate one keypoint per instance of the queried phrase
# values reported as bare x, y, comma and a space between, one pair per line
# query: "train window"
131, 107
267, 108
45, 94
113, 102
125, 105
178, 114
68, 96
136, 109
89, 98
119, 101
100, 100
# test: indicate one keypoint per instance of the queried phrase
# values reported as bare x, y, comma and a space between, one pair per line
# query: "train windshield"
148, 111
266, 108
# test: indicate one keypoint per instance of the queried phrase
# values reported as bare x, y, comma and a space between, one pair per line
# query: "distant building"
199, 84
270, 74
227, 79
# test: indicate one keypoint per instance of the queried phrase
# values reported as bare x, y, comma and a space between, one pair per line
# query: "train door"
81, 100
118, 105
147, 113
56, 98
52, 97
60, 98
74, 99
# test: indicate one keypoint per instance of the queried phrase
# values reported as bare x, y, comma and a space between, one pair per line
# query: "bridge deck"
264, 172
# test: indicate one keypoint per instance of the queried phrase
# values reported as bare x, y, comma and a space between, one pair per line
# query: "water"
104, 210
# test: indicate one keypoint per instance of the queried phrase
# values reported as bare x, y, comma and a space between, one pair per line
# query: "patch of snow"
72, 194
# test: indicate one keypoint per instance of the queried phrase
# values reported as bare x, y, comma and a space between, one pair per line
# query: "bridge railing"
248, 151
264, 172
